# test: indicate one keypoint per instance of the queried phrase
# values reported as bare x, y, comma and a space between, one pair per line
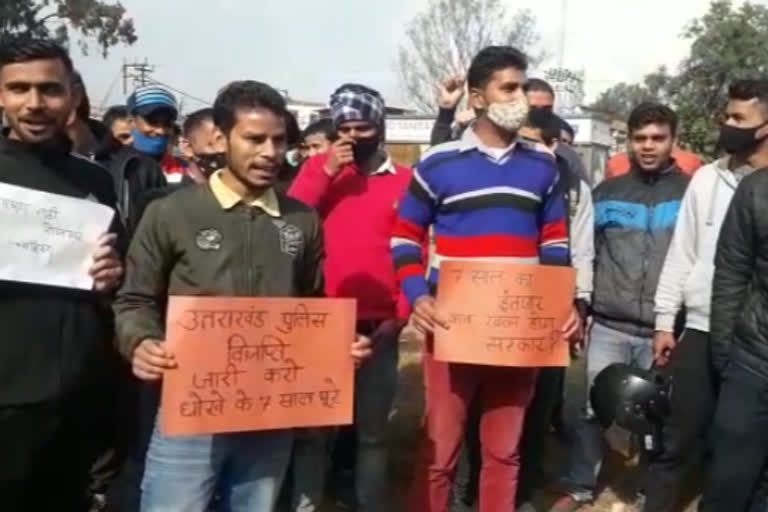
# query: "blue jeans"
606, 347
182, 474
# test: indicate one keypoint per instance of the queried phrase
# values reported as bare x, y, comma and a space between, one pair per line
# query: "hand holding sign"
504, 314
362, 349
426, 317
257, 364
107, 269
55, 240
151, 359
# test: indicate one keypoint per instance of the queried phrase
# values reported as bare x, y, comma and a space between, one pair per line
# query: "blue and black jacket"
635, 216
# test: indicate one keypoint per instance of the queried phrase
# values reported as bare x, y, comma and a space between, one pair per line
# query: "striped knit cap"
148, 98
354, 102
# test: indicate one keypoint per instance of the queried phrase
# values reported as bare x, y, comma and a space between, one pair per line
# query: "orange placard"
502, 314
258, 364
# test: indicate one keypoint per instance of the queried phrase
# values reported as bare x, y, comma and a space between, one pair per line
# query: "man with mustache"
488, 196
238, 206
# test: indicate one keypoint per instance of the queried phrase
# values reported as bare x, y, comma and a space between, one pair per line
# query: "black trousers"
739, 444
46, 454
538, 420
137, 414
686, 430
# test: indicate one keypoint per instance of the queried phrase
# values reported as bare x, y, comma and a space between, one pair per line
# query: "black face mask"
211, 162
738, 141
364, 149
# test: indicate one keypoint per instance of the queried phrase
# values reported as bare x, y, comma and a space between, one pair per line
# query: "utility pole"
138, 72
563, 30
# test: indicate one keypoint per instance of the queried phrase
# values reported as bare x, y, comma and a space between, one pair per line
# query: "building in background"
594, 140
305, 112
569, 89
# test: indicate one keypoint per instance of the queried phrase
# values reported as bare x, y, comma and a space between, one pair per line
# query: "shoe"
98, 503
567, 504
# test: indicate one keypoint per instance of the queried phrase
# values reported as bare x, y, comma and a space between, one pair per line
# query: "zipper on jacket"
249, 252
646, 255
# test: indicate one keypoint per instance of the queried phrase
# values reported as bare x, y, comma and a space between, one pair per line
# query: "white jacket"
582, 235
686, 278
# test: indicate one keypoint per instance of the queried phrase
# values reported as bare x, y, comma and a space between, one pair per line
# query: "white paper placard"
49, 238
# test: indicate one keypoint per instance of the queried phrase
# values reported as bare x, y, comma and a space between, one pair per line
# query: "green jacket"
189, 244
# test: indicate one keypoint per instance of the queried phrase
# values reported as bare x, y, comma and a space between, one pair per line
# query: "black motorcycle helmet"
634, 399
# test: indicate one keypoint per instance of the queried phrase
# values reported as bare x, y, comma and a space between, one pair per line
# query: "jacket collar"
653, 177
228, 198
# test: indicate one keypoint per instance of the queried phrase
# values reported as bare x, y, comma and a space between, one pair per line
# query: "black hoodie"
54, 342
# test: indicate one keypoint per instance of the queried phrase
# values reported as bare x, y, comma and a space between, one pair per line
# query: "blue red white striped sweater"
481, 208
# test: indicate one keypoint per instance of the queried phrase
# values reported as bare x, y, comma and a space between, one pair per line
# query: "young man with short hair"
686, 282
203, 145
635, 218
356, 188
118, 121
55, 355
488, 196
541, 95
318, 137
246, 469
739, 346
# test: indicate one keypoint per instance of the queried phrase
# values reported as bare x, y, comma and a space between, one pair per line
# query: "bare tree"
443, 39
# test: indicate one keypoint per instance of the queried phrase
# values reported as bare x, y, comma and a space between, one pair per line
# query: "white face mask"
508, 116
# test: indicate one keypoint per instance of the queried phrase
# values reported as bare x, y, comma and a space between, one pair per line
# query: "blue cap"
149, 98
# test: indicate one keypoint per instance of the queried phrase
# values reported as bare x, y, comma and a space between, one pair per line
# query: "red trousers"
503, 395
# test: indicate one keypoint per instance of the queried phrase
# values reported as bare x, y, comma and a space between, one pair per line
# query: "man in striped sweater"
488, 196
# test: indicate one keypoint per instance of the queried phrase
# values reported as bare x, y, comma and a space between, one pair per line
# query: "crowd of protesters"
236, 201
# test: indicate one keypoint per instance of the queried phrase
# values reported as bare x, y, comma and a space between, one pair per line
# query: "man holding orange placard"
490, 197
232, 237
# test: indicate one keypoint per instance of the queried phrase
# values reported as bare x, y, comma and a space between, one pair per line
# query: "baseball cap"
149, 98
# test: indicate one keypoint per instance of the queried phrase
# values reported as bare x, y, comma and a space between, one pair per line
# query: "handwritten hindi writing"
257, 364
49, 238
503, 314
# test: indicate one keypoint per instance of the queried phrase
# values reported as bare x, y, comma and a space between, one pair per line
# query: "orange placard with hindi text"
258, 364
502, 314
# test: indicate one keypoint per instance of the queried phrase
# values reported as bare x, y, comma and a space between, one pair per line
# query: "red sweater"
359, 214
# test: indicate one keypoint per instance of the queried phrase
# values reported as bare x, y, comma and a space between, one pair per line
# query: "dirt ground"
406, 423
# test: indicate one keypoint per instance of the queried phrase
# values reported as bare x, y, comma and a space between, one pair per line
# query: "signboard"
503, 314
410, 130
257, 364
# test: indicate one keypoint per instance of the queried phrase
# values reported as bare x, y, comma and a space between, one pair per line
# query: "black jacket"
134, 176
55, 342
442, 130
635, 216
739, 321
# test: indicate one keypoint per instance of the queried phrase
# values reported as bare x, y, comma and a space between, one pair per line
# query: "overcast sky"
309, 47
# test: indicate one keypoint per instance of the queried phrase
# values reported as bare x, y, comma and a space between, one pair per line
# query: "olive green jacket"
189, 243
